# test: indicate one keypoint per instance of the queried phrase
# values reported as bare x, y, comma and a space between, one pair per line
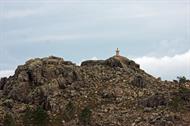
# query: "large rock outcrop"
31, 80
111, 92
115, 61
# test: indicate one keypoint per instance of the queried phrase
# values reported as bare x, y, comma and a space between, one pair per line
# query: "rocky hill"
112, 92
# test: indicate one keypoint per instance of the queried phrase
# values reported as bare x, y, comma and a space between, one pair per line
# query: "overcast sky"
154, 33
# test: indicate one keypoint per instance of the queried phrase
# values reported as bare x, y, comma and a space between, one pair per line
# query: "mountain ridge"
114, 91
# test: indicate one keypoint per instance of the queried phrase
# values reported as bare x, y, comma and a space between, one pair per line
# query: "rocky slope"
113, 92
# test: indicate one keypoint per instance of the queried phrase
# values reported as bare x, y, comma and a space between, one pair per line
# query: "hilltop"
111, 92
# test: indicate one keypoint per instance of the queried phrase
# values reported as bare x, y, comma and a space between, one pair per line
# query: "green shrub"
36, 117
85, 116
40, 117
8, 120
182, 79
185, 94
176, 104
27, 118
181, 99
69, 112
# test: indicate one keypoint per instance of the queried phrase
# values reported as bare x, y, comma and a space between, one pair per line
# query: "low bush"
85, 116
36, 117
176, 104
182, 79
180, 99
9, 120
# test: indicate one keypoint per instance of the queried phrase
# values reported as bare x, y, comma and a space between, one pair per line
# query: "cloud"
20, 12
93, 58
166, 67
6, 73
169, 47
17, 13
55, 38
64, 37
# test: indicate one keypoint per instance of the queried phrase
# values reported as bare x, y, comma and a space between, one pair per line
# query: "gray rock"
2, 82
154, 101
138, 81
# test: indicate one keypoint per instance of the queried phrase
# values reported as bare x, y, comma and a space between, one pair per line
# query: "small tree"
181, 80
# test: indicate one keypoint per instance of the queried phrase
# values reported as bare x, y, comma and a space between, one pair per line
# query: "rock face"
34, 74
3, 81
120, 61
115, 61
92, 62
101, 92
138, 81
